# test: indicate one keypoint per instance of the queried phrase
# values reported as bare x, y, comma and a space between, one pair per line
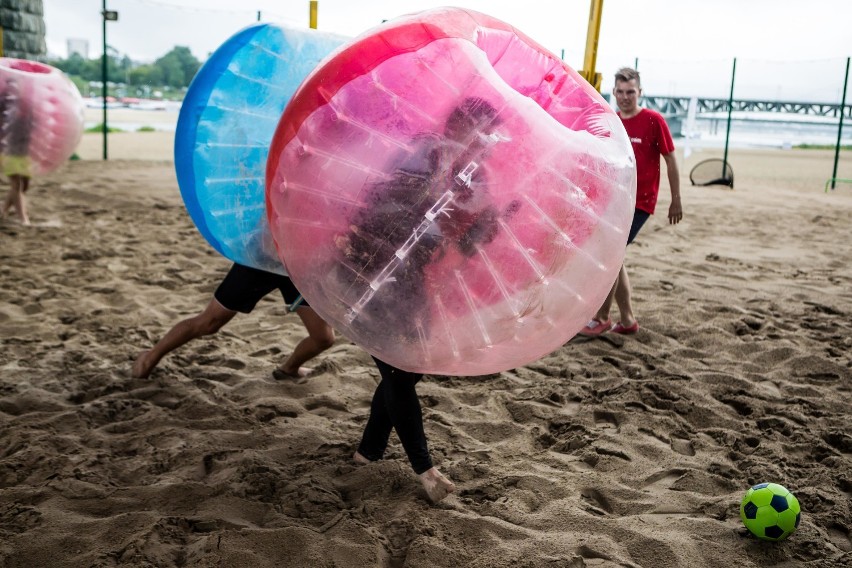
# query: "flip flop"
629, 330
596, 327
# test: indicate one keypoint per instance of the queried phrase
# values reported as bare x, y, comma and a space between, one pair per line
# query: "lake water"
766, 130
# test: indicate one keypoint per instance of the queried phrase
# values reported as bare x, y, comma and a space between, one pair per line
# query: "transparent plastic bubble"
449, 195
224, 129
41, 117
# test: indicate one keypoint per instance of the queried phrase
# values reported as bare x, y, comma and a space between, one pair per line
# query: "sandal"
596, 327
629, 330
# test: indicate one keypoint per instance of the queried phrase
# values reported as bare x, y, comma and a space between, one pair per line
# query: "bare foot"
436, 485
359, 459
282, 374
143, 366
17, 220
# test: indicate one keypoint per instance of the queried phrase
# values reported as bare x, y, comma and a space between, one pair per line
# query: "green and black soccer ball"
770, 512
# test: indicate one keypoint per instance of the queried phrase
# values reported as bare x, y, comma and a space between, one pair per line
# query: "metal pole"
636, 64
840, 125
314, 8
104, 78
730, 108
258, 15
592, 35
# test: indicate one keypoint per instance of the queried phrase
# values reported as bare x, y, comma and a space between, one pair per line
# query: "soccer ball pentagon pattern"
770, 512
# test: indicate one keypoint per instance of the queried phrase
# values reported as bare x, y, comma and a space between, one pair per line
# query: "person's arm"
675, 209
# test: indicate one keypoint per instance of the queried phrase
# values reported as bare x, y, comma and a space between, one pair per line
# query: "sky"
785, 49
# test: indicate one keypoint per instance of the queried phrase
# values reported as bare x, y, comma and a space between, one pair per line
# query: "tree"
175, 69
146, 75
178, 66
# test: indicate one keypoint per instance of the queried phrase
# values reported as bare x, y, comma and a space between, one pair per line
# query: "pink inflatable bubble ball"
41, 117
450, 195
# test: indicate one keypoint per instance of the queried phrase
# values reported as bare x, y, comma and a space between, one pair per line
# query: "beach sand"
615, 451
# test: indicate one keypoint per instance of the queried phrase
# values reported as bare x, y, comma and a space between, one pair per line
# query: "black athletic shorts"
639, 218
244, 286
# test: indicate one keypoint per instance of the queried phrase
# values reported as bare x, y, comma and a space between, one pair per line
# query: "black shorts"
639, 218
244, 286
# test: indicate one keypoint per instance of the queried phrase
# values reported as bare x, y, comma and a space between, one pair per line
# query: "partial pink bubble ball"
41, 116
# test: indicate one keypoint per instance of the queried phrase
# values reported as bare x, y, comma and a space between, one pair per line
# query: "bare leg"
395, 405
207, 322
436, 485
603, 311
20, 185
320, 337
622, 298
9, 201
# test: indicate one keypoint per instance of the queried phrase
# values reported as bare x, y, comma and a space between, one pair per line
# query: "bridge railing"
675, 106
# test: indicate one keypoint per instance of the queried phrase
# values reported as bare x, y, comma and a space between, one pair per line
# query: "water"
748, 129
764, 130
131, 116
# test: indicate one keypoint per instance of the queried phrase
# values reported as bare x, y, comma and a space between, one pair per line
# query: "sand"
615, 451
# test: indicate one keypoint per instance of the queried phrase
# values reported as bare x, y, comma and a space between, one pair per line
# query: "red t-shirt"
649, 134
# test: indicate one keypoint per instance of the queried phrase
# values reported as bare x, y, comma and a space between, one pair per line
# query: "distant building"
78, 46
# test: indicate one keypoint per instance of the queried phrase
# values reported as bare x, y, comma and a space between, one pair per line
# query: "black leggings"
396, 406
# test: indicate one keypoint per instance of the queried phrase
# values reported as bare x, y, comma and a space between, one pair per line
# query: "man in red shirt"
650, 137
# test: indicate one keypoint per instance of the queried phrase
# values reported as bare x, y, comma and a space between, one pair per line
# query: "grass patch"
146, 129
100, 128
823, 146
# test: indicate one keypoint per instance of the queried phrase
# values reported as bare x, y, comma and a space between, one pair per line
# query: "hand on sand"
282, 374
142, 366
436, 485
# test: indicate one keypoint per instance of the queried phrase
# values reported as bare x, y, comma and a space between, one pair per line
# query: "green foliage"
146, 129
179, 66
173, 70
81, 85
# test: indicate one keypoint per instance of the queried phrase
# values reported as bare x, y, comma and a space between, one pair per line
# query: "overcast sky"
677, 42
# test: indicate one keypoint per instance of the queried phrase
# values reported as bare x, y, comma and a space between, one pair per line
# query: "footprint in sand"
20, 518
399, 534
606, 420
666, 477
742, 406
682, 445
839, 536
599, 505
325, 402
33, 309
589, 553
235, 364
